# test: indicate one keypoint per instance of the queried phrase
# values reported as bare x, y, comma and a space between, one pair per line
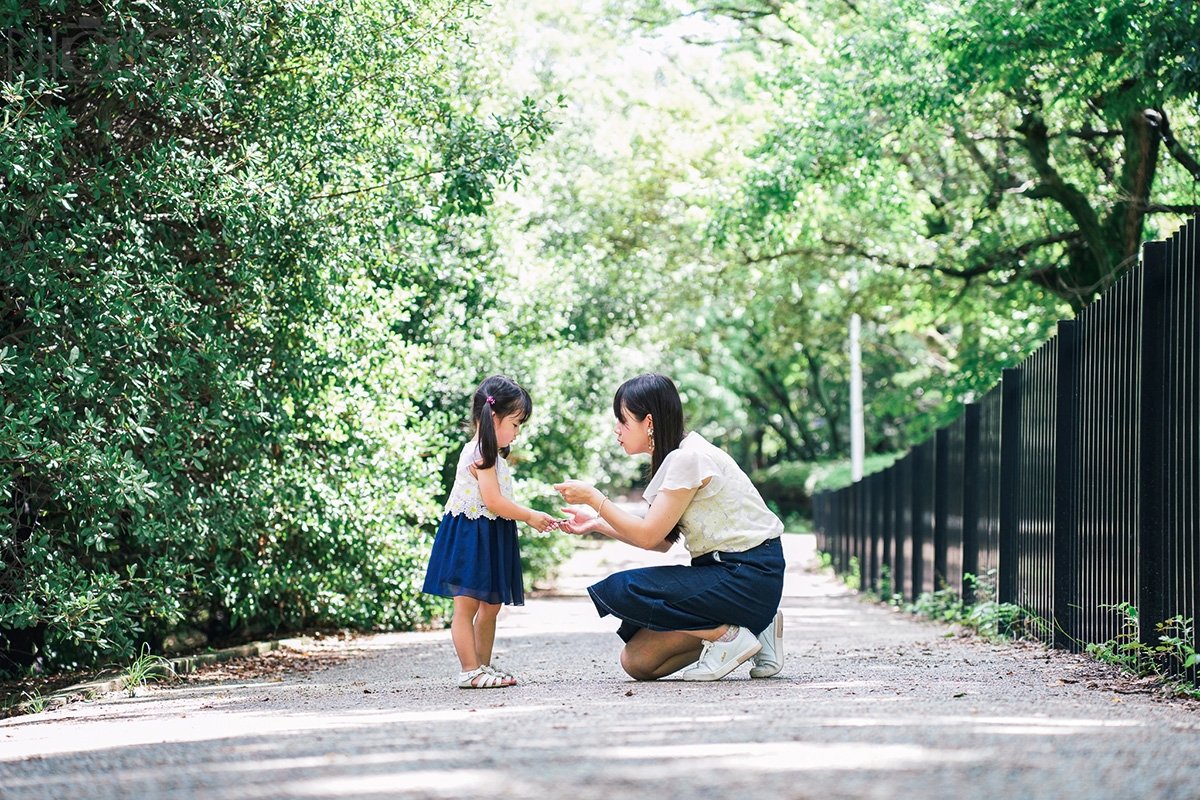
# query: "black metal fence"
1071, 488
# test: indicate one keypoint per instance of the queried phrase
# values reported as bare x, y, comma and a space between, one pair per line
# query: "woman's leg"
462, 632
485, 630
650, 655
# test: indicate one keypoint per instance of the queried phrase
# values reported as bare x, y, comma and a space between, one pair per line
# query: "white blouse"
464, 496
726, 514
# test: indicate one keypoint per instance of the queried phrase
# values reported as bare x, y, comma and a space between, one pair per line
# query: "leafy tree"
960, 175
639, 245
1034, 142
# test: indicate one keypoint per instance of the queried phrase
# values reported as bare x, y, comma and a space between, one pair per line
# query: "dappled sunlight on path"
871, 703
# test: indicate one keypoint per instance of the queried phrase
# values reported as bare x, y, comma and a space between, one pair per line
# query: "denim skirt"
718, 588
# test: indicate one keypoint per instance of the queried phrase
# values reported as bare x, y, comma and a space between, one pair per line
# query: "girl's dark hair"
654, 395
506, 399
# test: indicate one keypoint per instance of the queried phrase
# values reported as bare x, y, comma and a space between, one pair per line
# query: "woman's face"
506, 428
633, 434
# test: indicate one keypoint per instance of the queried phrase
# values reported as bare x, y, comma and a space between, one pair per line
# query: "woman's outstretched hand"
578, 523
578, 493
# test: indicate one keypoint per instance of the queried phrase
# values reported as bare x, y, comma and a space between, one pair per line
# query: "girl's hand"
543, 522
578, 523
579, 493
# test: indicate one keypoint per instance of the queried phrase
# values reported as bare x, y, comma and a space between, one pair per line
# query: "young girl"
475, 557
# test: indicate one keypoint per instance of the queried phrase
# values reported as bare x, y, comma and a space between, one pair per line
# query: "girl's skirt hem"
484, 597
741, 589
476, 558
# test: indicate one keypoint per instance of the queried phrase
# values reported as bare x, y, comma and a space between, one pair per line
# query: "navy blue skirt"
476, 558
718, 589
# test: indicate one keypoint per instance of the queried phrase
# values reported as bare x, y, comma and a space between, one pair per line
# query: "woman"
723, 609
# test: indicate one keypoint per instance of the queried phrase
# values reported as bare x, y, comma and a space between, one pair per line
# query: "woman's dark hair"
655, 396
500, 396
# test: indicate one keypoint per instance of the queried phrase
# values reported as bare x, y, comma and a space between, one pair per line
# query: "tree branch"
1135, 182
998, 175
1052, 186
1088, 134
738, 12
415, 176
692, 40
998, 260
818, 389
1157, 119
750, 18
1158, 208
16, 335
770, 379
793, 449
379, 186
692, 79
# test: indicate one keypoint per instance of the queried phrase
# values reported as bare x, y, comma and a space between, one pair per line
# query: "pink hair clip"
491, 400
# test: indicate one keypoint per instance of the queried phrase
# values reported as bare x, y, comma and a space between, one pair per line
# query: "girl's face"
506, 428
633, 434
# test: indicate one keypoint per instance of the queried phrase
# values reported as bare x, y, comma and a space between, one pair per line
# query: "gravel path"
871, 704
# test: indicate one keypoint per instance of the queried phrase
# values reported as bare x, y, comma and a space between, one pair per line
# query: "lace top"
465, 497
725, 514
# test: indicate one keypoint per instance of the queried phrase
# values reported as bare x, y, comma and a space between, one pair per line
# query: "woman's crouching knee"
636, 665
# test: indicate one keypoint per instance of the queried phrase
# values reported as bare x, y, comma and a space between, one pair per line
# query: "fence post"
941, 501
1065, 570
1151, 506
871, 570
916, 466
887, 530
845, 530
928, 501
864, 540
860, 531
1010, 483
902, 560
970, 504
1190, 332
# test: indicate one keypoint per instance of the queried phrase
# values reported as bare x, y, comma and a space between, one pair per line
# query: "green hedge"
229, 248
788, 487
783, 486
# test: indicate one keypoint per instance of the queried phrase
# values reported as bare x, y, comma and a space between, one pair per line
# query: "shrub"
228, 235
784, 487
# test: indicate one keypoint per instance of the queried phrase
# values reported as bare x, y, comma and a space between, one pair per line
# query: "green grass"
147, 667
832, 475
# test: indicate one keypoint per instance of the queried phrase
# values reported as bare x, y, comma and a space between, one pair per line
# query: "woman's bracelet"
600, 508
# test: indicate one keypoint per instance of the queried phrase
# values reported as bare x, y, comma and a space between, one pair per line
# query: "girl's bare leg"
462, 632
485, 631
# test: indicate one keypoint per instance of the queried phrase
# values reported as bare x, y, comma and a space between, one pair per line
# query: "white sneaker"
769, 660
718, 659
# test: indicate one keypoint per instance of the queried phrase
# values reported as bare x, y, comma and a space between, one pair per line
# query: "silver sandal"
504, 675
481, 678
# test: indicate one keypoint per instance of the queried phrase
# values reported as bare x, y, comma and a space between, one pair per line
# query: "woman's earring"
650, 441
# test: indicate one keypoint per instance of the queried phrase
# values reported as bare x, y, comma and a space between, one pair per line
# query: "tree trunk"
1127, 221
